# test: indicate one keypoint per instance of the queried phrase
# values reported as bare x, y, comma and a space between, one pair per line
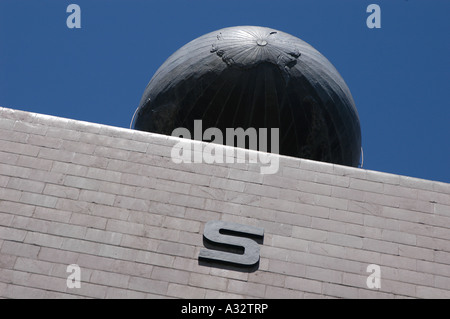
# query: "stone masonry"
111, 201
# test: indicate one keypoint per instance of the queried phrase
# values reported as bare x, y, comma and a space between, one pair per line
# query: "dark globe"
261, 78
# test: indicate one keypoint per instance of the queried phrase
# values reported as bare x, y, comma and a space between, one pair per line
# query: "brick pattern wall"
111, 201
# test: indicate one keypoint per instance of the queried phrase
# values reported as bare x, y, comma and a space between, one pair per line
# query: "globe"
256, 77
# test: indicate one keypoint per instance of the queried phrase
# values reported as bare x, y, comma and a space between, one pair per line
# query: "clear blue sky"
398, 75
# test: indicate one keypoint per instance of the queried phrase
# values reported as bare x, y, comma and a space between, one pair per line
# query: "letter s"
224, 237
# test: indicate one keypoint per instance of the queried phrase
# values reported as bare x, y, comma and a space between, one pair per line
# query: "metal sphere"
256, 77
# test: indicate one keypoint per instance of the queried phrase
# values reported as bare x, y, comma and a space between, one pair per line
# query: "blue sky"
398, 75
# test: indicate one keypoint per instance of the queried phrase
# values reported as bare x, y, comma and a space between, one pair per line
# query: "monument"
93, 211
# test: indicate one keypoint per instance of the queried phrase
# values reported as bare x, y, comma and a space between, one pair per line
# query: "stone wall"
111, 201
